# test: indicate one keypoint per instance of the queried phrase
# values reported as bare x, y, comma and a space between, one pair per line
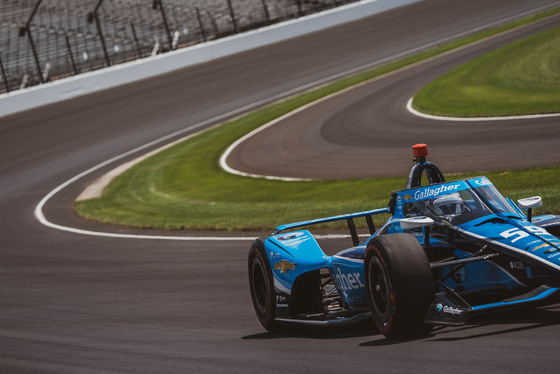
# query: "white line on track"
43, 220
475, 119
39, 215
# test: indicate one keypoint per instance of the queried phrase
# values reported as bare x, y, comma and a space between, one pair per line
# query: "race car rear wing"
349, 220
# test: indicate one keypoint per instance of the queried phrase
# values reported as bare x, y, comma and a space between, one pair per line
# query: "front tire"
262, 286
399, 285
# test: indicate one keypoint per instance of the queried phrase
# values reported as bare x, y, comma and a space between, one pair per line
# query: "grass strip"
183, 187
521, 78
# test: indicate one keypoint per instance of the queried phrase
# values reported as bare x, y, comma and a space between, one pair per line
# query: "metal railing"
41, 41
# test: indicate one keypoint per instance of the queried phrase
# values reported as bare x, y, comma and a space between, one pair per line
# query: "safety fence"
41, 41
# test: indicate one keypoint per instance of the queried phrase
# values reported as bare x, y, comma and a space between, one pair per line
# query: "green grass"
521, 78
183, 187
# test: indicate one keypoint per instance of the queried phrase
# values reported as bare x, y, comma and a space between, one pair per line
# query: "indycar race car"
450, 250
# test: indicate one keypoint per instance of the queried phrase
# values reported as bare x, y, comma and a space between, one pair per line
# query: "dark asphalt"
71, 303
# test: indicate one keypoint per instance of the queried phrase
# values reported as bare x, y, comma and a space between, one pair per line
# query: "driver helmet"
449, 206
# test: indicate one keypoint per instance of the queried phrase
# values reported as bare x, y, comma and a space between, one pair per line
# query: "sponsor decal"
294, 239
448, 309
274, 255
516, 265
459, 276
407, 197
540, 246
349, 281
483, 182
451, 310
290, 236
433, 192
554, 255
284, 266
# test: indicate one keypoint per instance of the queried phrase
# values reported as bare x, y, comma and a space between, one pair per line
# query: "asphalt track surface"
74, 303
367, 132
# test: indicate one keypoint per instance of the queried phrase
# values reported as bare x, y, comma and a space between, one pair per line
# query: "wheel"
262, 286
399, 285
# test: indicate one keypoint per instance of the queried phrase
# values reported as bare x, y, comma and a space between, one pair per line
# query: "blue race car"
449, 251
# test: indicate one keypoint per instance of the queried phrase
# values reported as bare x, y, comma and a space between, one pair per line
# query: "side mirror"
529, 203
415, 222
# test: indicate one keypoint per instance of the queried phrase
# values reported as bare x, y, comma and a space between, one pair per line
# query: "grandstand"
43, 40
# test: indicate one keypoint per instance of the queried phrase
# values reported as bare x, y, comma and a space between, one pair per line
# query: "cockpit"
455, 202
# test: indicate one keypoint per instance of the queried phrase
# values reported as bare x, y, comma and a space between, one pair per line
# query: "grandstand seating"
63, 37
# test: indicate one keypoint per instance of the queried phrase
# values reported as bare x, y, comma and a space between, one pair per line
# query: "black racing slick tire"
262, 286
399, 284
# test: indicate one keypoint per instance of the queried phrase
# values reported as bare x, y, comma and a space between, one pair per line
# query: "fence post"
69, 48
233, 20
93, 16
266, 14
27, 29
300, 11
136, 39
155, 5
200, 24
4, 77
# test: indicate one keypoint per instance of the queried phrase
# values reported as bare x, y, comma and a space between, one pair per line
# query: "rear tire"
262, 286
399, 285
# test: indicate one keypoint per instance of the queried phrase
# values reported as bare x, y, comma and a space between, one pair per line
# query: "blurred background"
44, 40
